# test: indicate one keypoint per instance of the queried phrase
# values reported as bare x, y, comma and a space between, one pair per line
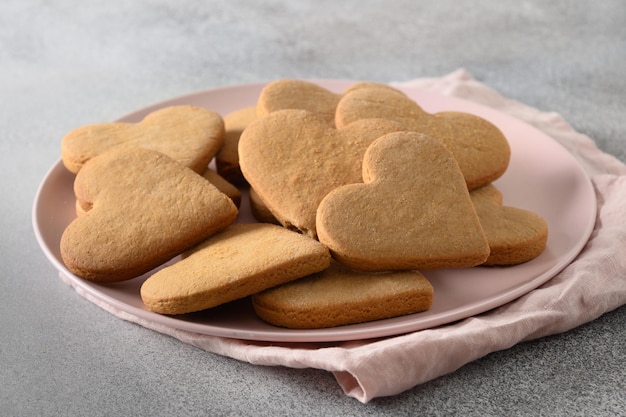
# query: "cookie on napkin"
242, 260
139, 208
413, 210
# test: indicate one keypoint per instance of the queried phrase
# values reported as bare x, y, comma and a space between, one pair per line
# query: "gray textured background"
65, 63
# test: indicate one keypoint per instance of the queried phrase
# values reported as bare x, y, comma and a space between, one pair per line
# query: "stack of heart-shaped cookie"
145, 195
354, 193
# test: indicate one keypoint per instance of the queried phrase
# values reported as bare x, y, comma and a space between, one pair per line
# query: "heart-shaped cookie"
227, 159
515, 235
293, 158
188, 134
413, 210
140, 209
338, 296
259, 210
242, 260
224, 186
480, 148
289, 93
296, 94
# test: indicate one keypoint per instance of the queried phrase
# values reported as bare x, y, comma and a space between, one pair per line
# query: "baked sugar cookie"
481, 150
227, 159
293, 158
296, 94
515, 235
339, 296
139, 209
259, 210
224, 186
289, 93
191, 135
242, 260
413, 210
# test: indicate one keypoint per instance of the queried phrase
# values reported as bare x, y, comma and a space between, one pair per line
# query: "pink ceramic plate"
542, 177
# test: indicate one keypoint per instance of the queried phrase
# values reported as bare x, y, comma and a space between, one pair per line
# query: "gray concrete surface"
65, 63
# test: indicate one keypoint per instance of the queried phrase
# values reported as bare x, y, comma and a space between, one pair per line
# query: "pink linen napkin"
593, 284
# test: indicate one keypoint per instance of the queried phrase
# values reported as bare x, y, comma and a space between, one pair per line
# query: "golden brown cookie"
293, 158
338, 296
140, 209
412, 212
224, 186
191, 135
242, 260
227, 159
297, 94
515, 235
259, 209
79, 209
480, 148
